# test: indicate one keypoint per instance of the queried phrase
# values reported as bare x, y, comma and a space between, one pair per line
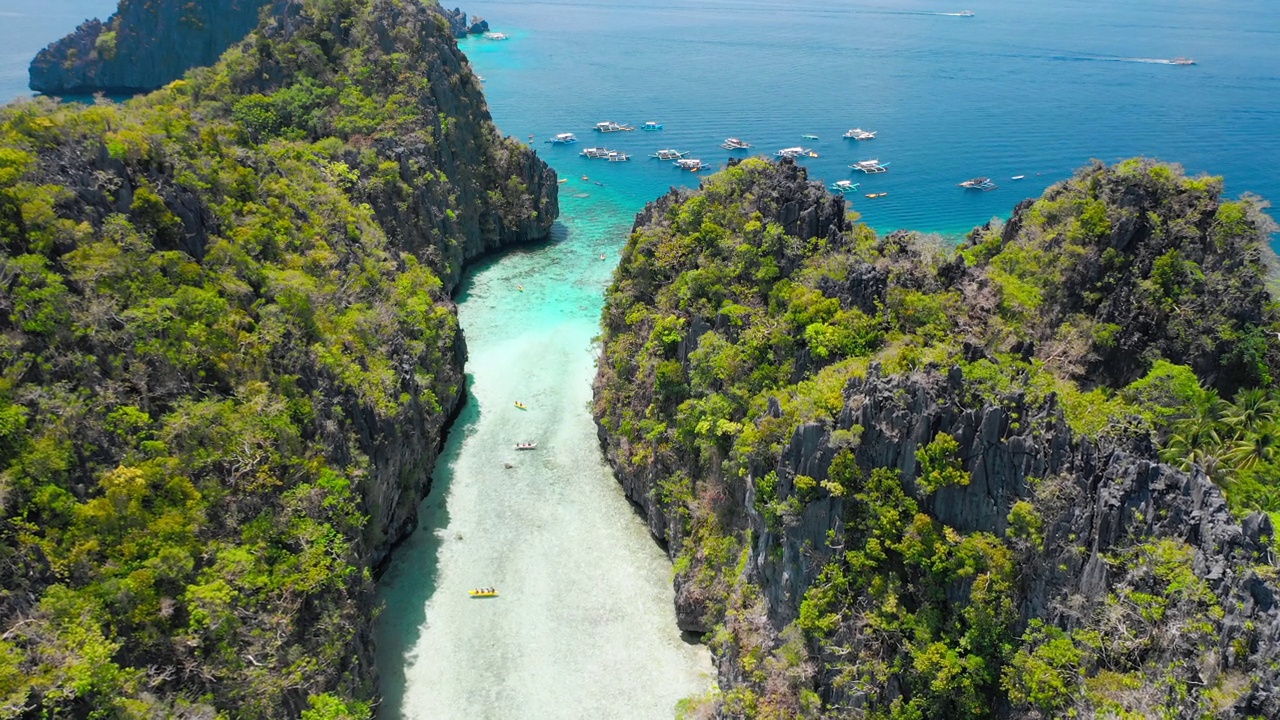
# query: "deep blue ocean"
1035, 89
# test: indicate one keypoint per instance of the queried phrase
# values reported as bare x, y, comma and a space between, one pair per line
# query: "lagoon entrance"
583, 623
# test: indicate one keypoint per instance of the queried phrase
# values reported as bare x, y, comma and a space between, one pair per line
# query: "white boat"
965, 13
979, 183
608, 127
793, 152
860, 134
526, 446
1182, 61
595, 152
844, 186
563, 139
808, 137
494, 36
870, 167
690, 164
651, 126
669, 154
617, 157
735, 144
1017, 177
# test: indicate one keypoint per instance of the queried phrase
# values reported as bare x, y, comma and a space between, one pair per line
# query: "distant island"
147, 44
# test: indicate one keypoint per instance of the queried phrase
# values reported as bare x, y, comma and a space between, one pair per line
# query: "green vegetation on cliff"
877, 461
228, 353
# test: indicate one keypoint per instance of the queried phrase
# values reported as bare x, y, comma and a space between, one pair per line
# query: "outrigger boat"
735, 144
979, 183
617, 157
870, 167
651, 126
690, 164
563, 139
669, 154
526, 446
860, 134
595, 152
844, 186
484, 593
795, 152
608, 127
519, 404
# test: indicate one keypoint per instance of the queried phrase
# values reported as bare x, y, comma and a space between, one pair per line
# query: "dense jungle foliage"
208, 329
1131, 297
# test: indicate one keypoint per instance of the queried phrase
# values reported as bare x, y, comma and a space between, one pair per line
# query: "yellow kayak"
521, 405
484, 593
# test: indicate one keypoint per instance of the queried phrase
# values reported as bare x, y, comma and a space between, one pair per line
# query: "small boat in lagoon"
562, 181
979, 183
860, 134
844, 186
808, 137
526, 446
669, 154
494, 36
690, 164
484, 593
563, 139
1017, 177
735, 144
651, 126
876, 195
608, 127
870, 167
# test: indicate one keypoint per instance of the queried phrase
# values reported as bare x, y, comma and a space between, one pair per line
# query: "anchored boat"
870, 167
617, 157
690, 164
495, 36
979, 183
608, 127
669, 154
860, 134
595, 152
651, 126
735, 144
844, 186
795, 152
563, 139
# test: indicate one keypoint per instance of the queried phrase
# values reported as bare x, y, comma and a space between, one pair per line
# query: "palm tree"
1253, 408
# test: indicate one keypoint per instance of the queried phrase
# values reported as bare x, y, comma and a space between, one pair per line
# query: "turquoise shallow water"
584, 625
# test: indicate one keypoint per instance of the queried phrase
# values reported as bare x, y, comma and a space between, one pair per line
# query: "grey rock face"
144, 45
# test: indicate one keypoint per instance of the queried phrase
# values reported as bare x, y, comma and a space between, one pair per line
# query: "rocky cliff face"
144, 45
462, 28
877, 510
250, 270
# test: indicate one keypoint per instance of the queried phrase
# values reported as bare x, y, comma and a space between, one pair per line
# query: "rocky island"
229, 357
1032, 476
146, 44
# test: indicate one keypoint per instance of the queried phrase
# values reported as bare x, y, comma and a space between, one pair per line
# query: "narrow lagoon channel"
584, 624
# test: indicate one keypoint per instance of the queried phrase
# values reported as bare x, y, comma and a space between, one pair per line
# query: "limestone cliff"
144, 45
885, 489
230, 357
